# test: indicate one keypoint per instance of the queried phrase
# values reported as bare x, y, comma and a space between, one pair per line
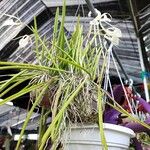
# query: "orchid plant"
69, 73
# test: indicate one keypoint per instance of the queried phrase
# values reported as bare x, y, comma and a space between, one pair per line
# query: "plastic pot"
87, 137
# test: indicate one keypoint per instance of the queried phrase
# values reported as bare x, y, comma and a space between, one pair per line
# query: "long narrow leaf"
20, 93
13, 65
74, 64
100, 116
10, 81
14, 85
62, 111
31, 112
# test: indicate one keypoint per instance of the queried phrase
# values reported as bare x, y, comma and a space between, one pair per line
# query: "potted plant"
69, 78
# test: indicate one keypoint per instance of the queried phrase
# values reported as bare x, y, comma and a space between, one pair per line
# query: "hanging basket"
87, 137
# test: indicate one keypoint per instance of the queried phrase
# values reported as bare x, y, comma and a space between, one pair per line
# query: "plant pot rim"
108, 126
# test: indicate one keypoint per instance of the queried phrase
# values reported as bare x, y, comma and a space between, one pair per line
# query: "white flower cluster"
111, 33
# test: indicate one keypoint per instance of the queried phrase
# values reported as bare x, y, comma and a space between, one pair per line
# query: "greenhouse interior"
75, 74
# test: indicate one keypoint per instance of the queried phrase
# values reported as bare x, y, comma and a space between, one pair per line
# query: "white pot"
87, 137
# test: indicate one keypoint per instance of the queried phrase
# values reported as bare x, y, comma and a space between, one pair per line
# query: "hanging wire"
122, 83
83, 12
95, 24
107, 67
72, 23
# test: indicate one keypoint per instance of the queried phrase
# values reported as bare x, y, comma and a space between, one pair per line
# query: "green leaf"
10, 81
74, 64
100, 116
20, 93
14, 85
61, 111
31, 112
13, 65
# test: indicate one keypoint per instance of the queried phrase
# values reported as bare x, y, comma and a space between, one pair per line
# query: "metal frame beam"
143, 54
136, 21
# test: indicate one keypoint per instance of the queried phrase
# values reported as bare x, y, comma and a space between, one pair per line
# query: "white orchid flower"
10, 22
24, 41
113, 34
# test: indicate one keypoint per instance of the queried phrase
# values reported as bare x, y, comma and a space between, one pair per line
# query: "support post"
141, 45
